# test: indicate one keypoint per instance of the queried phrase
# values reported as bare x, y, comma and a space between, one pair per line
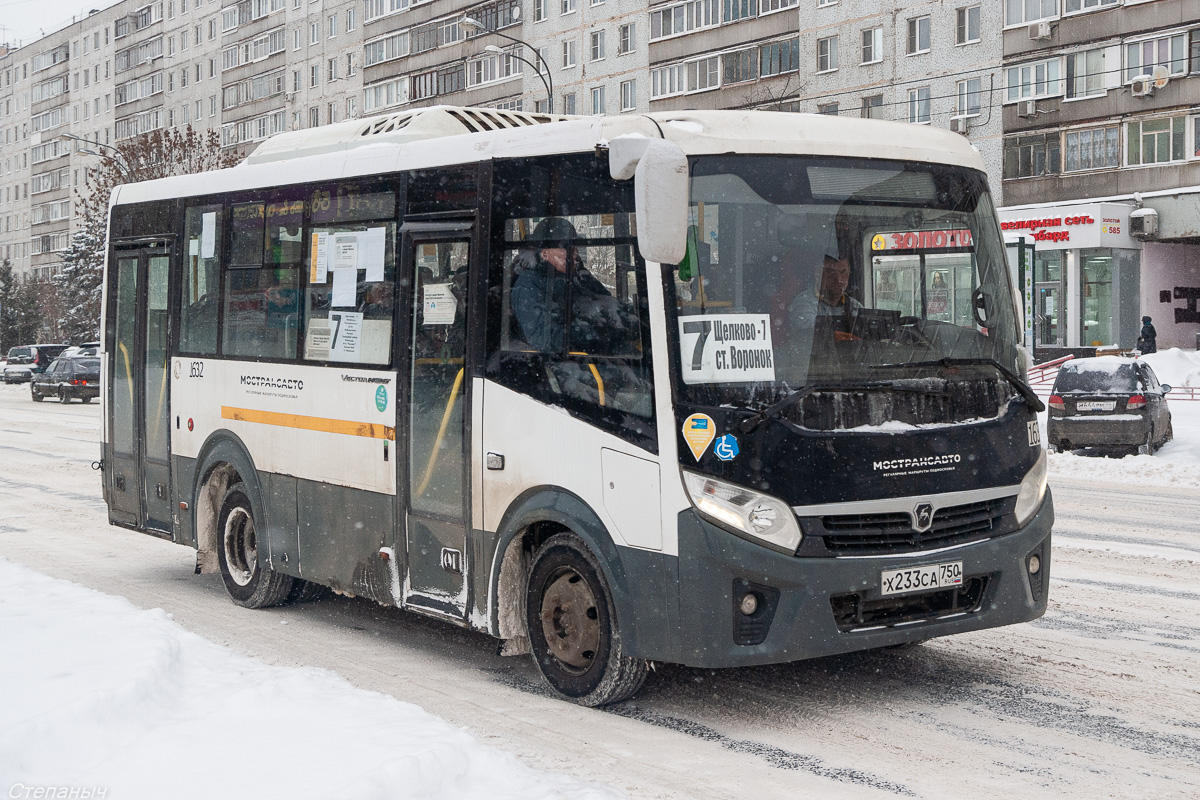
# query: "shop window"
1096, 272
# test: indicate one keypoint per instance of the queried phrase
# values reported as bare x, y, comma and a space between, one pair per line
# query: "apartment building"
1101, 167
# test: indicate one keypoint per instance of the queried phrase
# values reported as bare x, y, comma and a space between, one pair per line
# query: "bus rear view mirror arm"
660, 173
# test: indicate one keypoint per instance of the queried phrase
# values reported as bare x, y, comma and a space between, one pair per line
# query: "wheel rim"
571, 621
241, 546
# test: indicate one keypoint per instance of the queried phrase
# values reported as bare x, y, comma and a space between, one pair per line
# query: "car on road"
28, 360
1108, 402
67, 379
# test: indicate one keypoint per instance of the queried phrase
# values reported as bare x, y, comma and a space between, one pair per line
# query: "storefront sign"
915, 241
1069, 227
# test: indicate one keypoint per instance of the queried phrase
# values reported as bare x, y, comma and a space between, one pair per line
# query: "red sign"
959, 238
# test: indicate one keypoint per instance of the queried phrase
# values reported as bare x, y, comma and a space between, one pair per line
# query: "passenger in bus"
598, 323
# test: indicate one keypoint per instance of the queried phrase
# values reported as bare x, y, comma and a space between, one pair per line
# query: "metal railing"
1042, 377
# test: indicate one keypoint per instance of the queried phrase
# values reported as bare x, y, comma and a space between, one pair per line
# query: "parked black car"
28, 360
1108, 402
68, 378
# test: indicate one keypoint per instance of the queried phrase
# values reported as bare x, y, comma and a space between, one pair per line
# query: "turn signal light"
1056, 401
1137, 401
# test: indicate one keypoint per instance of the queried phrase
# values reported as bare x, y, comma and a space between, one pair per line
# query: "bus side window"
262, 301
203, 227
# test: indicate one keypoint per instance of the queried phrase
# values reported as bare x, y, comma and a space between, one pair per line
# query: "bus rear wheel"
248, 582
572, 626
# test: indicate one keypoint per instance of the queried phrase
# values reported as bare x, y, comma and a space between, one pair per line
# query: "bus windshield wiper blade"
750, 423
1022, 388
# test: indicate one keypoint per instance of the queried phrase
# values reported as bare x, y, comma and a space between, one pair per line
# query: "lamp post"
491, 48
116, 158
473, 25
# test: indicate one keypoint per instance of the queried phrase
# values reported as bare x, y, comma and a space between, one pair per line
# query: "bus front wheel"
572, 626
249, 583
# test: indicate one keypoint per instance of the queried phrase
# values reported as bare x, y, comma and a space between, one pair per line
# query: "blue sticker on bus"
381, 398
726, 448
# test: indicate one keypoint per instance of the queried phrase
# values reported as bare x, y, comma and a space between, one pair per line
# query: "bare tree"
157, 154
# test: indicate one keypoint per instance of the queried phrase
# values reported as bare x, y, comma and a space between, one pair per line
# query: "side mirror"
660, 173
1166, 387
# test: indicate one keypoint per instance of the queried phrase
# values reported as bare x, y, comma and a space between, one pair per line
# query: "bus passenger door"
138, 472
436, 258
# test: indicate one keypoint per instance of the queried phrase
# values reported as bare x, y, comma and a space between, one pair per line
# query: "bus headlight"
1033, 490
764, 519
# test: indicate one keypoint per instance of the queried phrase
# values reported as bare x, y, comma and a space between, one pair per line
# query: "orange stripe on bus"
322, 424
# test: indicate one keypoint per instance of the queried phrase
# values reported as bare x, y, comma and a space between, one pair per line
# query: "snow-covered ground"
96, 693
1176, 464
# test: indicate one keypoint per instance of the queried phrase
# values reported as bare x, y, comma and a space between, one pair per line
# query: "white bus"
708, 388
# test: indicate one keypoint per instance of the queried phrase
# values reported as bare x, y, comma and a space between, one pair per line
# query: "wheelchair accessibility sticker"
698, 432
726, 448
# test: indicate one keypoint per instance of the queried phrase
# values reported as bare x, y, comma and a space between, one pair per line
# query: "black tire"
572, 626
249, 582
307, 592
33, 392
64, 397
87, 399
1170, 432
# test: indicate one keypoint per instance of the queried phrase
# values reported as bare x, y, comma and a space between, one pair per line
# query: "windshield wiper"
750, 423
1023, 389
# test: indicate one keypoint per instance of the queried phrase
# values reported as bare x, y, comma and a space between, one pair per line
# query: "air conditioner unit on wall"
1027, 108
1142, 86
1040, 30
960, 125
1143, 223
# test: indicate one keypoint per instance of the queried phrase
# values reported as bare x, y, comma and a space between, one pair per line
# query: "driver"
829, 300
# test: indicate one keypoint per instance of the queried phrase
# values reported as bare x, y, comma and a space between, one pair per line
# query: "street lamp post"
491, 48
475, 26
115, 157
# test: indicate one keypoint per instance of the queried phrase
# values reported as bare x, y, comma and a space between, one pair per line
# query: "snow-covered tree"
20, 319
157, 154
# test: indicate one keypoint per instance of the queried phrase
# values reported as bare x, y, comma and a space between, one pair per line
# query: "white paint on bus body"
320, 423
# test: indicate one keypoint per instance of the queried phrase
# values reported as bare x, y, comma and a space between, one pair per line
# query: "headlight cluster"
1033, 490
760, 517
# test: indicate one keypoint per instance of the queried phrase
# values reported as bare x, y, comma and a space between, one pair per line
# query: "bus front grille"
893, 532
854, 612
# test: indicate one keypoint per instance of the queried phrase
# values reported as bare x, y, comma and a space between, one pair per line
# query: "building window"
314, 117
872, 107
1085, 74
1031, 156
969, 93
739, 9
598, 100
918, 105
626, 38
828, 109
1071, 6
597, 45
569, 103
780, 57
628, 95
314, 33
332, 25
822, 3
351, 20
966, 25
827, 54
568, 6
691, 16
1031, 81
918, 35
1167, 51
872, 45
1091, 149
741, 66
703, 75
777, 5
314, 75
333, 65
568, 54
1019, 12
1155, 141
539, 10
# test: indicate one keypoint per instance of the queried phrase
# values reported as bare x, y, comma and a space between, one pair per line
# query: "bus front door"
436, 257
138, 468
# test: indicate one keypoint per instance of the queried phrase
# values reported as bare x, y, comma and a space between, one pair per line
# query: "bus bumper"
810, 607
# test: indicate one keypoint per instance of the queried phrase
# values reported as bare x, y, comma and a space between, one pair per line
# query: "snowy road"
1098, 699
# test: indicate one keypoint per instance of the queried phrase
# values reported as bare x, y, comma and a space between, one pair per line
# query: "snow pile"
1175, 367
96, 693
1176, 464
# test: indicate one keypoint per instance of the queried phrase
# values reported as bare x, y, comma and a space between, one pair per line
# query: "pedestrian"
1148, 341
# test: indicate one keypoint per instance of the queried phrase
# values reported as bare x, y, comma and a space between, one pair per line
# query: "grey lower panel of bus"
716, 568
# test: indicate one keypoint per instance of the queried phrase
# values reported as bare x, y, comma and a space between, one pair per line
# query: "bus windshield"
834, 273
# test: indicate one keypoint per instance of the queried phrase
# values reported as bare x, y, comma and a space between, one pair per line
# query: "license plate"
920, 579
1096, 405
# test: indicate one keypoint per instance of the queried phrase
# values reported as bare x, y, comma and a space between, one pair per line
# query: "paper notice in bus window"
374, 249
208, 234
319, 273
440, 304
345, 287
316, 342
726, 348
345, 328
193, 247
345, 251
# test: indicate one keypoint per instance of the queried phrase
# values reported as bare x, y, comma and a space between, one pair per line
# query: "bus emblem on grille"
922, 517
